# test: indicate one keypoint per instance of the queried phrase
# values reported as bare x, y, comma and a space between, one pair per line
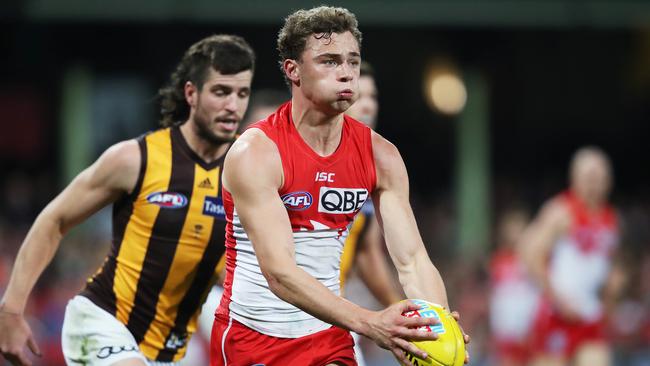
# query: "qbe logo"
341, 200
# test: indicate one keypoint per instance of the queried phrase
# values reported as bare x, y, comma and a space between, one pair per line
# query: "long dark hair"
227, 54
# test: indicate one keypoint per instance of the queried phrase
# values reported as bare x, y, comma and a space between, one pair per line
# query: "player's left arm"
617, 278
418, 276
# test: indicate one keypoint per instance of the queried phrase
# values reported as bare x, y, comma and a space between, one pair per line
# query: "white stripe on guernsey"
256, 306
297, 235
579, 275
223, 342
320, 231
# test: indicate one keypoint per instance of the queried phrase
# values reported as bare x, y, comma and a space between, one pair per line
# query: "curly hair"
321, 21
227, 54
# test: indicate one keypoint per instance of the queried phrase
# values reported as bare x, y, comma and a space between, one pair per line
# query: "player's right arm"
253, 175
112, 175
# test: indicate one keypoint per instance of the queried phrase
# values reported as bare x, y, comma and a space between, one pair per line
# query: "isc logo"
325, 177
297, 201
167, 199
341, 200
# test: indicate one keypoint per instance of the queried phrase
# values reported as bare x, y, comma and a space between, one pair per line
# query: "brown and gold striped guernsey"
168, 238
357, 230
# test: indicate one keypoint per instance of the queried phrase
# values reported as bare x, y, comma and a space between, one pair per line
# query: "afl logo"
297, 201
167, 199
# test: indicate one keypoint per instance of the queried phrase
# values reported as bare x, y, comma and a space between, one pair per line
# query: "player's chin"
224, 136
342, 105
230, 136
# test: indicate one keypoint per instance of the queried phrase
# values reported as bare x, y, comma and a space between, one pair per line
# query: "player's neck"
206, 150
589, 202
322, 132
593, 205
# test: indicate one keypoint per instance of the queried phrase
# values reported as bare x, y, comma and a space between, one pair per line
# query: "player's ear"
191, 94
291, 70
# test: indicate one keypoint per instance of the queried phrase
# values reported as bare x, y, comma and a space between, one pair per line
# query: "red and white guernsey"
581, 260
322, 195
514, 297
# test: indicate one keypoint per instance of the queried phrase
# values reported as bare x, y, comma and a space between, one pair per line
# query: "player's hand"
14, 335
393, 331
466, 337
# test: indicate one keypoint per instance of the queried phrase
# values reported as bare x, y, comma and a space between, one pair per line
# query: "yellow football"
449, 348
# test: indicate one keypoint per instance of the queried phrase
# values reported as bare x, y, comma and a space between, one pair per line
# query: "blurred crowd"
471, 281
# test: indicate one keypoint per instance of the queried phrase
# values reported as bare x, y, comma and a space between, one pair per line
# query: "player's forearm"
616, 281
34, 255
421, 280
295, 286
417, 275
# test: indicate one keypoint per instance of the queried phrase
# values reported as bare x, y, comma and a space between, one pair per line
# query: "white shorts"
93, 337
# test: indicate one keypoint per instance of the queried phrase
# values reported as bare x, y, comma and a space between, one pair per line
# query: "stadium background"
542, 77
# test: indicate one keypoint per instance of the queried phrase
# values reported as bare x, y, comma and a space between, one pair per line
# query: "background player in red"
513, 295
313, 168
570, 250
